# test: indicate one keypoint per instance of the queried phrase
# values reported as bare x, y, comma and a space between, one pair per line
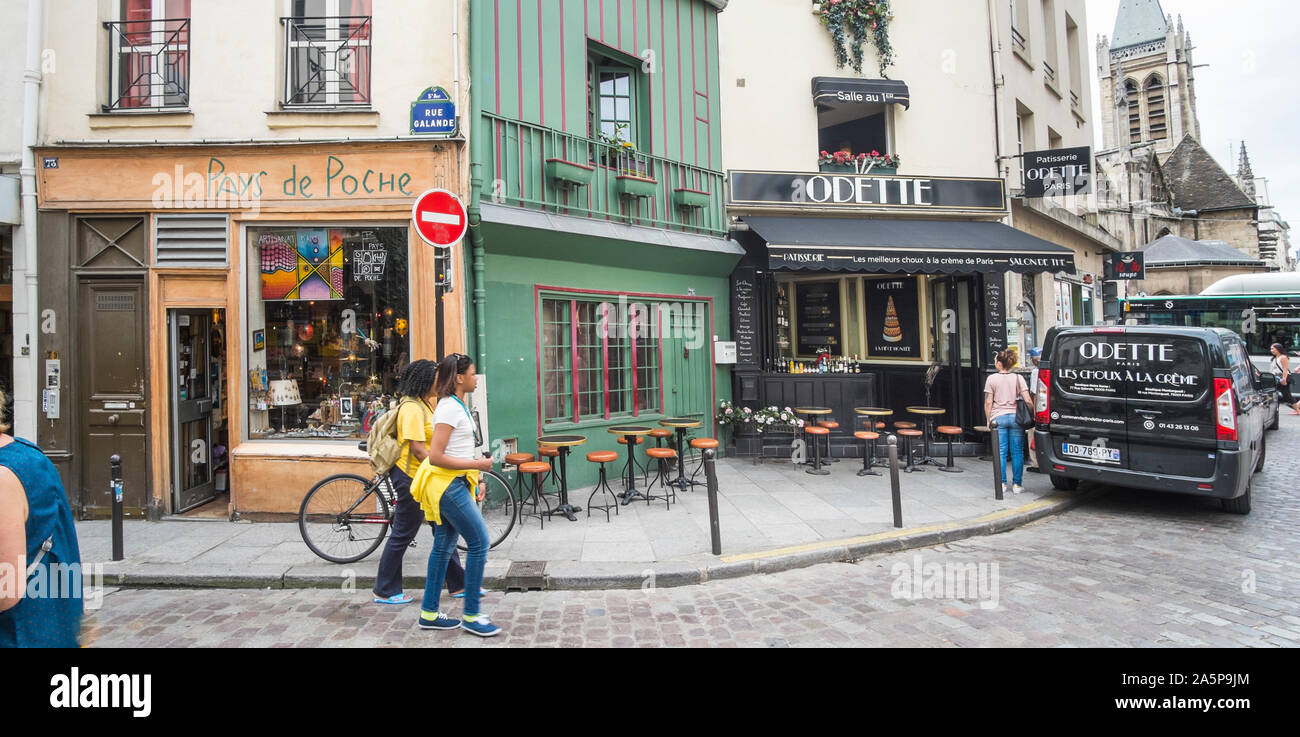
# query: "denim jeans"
407, 518
460, 518
1011, 439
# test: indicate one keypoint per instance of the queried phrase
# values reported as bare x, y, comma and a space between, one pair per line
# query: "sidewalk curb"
661, 575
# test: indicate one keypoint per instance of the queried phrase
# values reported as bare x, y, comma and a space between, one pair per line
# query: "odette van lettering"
1127, 351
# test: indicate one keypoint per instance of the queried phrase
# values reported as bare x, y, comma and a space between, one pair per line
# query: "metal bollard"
115, 488
997, 462
892, 444
711, 477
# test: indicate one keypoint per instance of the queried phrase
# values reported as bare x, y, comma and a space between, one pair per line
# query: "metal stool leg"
951, 467
868, 458
817, 459
603, 487
911, 460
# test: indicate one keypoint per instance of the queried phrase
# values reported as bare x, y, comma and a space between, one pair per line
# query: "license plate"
1091, 452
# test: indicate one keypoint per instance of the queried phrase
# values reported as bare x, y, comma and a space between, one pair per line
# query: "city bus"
1262, 308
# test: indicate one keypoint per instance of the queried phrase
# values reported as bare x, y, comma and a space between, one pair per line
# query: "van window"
1242, 370
1153, 367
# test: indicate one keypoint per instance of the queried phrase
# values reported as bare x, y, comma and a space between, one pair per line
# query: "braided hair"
417, 379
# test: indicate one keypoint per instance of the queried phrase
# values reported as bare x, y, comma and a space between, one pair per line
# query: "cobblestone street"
1130, 569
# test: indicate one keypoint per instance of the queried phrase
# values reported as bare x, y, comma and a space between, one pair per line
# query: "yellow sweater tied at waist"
431, 482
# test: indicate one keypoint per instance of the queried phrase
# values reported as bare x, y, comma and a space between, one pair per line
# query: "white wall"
13, 53
236, 70
778, 46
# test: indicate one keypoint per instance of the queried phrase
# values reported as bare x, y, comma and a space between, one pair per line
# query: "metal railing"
327, 61
1049, 72
1018, 40
149, 64
1074, 99
542, 168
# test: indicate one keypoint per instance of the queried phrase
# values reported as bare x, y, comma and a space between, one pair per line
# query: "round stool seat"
704, 443
815, 430
981, 428
881, 426
622, 440
949, 430
905, 425
602, 456
661, 452
661, 433
547, 451
534, 467
514, 459
864, 435
909, 433
829, 424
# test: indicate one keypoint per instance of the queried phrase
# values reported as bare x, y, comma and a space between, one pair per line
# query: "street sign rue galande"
439, 217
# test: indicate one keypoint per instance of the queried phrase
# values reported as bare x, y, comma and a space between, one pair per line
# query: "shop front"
874, 291
231, 319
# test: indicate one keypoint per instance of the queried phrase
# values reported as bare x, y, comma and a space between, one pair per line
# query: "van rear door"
1089, 401
1170, 390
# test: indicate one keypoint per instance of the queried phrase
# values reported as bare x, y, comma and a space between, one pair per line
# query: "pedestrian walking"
1035, 356
446, 486
1000, 393
38, 550
1281, 368
414, 432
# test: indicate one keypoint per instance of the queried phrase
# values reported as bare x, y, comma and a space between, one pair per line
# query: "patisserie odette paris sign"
865, 191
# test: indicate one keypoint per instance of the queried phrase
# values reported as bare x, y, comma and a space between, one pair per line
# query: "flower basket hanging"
853, 24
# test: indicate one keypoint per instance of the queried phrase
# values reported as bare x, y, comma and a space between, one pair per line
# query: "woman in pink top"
1000, 393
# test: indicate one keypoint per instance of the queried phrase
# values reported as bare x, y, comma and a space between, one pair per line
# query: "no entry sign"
439, 218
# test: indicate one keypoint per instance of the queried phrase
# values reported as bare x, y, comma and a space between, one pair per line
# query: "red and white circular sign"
439, 218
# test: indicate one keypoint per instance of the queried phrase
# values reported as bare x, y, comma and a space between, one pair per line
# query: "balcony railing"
149, 64
542, 168
327, 61
1049, 73
1074, 99
1018, 41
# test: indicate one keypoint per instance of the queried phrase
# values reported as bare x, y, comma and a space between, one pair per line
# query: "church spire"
1245, 176
1138, 22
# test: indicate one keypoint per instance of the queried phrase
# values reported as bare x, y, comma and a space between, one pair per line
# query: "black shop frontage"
859, 290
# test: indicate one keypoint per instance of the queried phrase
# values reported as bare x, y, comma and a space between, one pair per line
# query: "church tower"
1148, 89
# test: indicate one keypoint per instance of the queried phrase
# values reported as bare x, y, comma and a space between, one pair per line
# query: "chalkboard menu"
744, 318
817, 316
995, 315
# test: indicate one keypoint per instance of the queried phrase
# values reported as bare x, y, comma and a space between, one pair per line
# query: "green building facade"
597, 255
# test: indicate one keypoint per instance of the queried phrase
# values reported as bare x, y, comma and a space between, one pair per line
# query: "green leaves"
853, 24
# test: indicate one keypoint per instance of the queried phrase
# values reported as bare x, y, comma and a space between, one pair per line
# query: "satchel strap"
46, 547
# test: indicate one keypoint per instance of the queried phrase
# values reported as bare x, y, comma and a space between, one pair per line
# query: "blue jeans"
407, 518
1011, 439
460, 518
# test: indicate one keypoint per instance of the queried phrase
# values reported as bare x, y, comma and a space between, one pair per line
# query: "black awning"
832, 92
905, 246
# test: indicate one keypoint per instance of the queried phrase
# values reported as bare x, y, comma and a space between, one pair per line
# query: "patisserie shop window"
858, 317
328, 329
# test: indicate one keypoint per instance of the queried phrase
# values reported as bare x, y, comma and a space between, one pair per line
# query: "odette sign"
440, 218
866, 191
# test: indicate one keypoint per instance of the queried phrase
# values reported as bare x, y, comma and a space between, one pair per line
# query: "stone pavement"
772, 516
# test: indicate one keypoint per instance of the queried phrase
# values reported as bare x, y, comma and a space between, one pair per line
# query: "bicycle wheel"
344, 518
499, 508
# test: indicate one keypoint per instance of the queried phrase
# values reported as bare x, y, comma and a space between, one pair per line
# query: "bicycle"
345, 517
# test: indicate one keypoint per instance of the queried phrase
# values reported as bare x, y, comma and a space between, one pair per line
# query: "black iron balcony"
1018, 40
149, 64
327, 61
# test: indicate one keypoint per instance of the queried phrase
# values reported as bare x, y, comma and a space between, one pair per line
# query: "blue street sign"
434, 113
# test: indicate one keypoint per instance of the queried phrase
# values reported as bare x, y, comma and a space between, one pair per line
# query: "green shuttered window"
599, 360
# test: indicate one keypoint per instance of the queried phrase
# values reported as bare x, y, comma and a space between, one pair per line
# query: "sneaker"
440, 623
1017, 489
461, 594
481, 626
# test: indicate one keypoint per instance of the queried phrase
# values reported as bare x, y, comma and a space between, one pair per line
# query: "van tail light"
1042, 403
1225, 409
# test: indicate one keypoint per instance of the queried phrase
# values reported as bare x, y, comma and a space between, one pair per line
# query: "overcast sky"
1248, 91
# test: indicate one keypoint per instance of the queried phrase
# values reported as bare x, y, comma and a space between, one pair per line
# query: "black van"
1169, 409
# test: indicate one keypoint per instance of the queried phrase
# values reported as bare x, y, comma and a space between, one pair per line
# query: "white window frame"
332, 36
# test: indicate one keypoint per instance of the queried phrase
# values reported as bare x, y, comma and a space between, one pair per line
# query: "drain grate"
526, 575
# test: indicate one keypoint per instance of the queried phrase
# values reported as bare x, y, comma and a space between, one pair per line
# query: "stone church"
1158, 189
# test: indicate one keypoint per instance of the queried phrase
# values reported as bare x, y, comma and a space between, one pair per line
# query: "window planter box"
851, 169
630, 186
685, 197
569, 173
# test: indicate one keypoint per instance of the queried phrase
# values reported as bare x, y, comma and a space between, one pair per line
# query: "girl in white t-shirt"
451, 452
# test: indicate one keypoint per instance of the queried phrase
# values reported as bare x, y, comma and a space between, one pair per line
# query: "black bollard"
115, 488
892, 444
997, 462
711, 477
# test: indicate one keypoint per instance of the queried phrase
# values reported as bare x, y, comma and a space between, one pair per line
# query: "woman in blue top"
39, 557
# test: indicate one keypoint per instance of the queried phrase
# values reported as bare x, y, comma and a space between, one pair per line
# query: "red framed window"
600, 359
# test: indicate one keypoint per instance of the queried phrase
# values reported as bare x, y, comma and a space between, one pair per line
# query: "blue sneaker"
481, 626
461, 595
439, 623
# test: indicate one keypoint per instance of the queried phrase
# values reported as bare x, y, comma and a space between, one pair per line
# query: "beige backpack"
382, 444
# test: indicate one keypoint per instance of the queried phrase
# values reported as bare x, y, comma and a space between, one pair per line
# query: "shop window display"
328, 329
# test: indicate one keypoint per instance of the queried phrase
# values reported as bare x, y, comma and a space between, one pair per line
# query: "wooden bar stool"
908, 434
816, 431
949, 431
663, 455
535, 470
602, 485
829, 425
868, 439
550, 453
515, 459
702, 444
660, 435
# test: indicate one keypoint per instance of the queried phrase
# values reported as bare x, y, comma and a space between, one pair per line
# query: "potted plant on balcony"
864, 163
